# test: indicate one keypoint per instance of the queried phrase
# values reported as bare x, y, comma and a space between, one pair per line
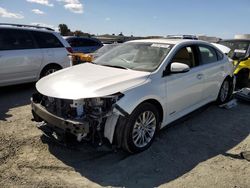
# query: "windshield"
106, 48
136, 56
238, 48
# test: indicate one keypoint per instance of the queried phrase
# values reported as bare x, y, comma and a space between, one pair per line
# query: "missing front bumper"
56, 123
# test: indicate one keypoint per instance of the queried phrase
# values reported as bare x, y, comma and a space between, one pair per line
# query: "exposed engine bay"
85, 118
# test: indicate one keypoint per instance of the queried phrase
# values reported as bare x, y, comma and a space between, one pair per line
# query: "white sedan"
133, 91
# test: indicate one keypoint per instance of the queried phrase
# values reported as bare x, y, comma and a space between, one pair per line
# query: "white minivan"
28, 53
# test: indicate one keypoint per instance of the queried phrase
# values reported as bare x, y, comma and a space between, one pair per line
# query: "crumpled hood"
89, 80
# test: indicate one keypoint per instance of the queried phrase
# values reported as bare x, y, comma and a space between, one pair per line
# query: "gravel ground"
201, 151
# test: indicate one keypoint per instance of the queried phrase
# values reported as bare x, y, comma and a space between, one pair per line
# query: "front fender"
126, 105
138, 95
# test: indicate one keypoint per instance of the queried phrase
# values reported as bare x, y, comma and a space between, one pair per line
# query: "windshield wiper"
115, 66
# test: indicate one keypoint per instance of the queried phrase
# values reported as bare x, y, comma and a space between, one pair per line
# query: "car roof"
170, 41
26, 28
76, 37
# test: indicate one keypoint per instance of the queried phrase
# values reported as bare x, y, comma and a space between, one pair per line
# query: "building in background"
242, 36
208, 38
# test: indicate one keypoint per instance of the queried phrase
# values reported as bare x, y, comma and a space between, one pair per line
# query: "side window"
185, 55
207, 54
46, 40
220, 55
12, 39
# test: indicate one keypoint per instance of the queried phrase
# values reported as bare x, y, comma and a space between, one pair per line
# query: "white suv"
132, 91
28, 53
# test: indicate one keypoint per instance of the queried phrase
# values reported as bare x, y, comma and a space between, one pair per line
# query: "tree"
64, 30
78, 33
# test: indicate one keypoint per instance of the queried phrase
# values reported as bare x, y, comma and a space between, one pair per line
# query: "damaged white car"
133, 91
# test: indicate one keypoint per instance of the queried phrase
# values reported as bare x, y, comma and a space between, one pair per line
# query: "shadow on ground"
176, 151
14, 96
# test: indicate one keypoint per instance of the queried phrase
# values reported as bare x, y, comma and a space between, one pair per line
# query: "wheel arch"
157, 104
152, 99
230, 78
48, 66
117, 133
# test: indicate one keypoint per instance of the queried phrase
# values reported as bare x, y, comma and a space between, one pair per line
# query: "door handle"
199, 76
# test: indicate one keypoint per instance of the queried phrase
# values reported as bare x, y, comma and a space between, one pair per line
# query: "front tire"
141, 128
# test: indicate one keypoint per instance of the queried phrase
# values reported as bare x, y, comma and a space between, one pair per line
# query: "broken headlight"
95, 107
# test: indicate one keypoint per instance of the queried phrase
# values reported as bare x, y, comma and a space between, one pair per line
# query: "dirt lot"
198, 152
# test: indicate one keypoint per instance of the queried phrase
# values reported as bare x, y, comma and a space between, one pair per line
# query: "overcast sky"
222, 18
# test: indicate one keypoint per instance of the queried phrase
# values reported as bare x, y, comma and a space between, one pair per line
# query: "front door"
184, 90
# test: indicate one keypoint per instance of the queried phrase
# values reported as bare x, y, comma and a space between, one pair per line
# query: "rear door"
20, 59
51, 47
213, 65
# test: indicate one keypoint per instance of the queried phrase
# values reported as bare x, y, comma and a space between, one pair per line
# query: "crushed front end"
85, 118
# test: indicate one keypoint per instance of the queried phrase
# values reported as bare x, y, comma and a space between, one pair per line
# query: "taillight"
69, 49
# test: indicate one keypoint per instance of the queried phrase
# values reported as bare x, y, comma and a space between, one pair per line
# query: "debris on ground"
243, 94
232, 103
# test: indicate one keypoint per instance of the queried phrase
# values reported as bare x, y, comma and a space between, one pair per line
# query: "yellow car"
240, 49
78, 58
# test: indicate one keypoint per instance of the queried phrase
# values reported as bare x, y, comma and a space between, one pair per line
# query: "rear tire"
49, 70
141, 128
226, 91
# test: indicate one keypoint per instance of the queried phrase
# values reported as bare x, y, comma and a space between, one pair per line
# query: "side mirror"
179, 67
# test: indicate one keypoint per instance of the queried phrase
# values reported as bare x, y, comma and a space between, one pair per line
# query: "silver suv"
28, 53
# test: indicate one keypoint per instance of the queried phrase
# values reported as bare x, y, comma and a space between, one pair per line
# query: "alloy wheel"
144, 129
50, 71
224, 91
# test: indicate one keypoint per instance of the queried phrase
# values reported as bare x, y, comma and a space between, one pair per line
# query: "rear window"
46, 40
89, 42
82, 42
12, 39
